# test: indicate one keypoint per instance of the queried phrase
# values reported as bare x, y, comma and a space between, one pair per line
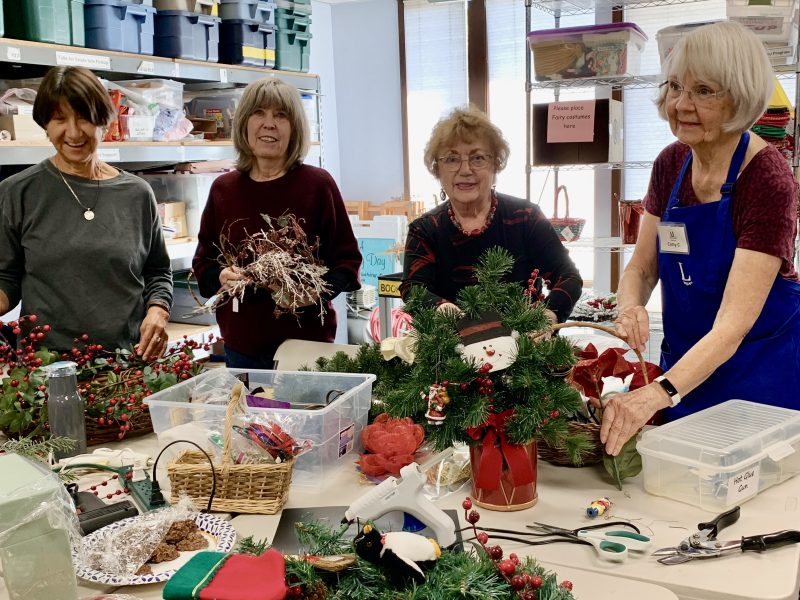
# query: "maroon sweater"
235, 205
764, 201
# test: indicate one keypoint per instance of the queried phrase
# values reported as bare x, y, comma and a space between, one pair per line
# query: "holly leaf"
628, 463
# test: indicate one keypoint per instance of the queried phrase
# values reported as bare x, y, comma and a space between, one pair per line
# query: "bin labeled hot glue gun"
404, 494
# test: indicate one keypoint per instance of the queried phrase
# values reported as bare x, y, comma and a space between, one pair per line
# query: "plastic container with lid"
327, 409
667, 37
611, 50
187, 35
248, 10
771, 21
721, 456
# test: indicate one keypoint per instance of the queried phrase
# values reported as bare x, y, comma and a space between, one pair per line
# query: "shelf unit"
559, 8
21, 58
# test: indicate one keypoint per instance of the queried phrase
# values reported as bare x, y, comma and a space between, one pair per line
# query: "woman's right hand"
229, 275
633, 326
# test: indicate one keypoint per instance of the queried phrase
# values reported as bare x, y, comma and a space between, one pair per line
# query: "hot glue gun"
404, 494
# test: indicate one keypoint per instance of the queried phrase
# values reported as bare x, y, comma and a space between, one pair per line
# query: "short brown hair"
81, 89
275, 94
468, 124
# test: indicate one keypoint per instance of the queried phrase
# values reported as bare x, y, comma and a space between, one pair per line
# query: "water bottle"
65, 406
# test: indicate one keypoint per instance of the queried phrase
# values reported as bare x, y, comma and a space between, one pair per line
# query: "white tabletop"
564, 494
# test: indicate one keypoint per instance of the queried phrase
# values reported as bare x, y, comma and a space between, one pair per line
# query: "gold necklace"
88, 213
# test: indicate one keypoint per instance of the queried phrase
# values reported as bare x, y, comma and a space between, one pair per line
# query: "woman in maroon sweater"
271, 137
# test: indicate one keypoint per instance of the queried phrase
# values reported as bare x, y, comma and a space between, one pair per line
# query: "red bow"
490, 469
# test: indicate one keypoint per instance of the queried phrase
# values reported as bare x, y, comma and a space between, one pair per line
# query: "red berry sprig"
525, 585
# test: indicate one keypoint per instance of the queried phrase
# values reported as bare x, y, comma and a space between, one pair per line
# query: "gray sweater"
80, 276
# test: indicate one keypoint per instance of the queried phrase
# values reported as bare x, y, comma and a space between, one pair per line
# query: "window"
436, 79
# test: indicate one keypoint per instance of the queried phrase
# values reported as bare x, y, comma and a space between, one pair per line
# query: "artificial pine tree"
533, 386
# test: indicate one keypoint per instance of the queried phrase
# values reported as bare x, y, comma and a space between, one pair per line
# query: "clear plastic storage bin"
328, 409
611, 50
721, 456
771, 22
667, 37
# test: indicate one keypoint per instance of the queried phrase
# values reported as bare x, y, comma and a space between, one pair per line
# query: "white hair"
731, 56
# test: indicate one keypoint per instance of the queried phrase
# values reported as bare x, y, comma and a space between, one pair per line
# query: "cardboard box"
606, 147
173, 215
21, 127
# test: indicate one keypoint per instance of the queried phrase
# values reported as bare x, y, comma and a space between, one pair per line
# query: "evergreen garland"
533, 385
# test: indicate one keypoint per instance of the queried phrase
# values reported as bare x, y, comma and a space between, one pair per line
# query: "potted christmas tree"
491, 377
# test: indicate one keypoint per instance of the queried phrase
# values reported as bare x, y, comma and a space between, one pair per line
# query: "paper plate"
220, 534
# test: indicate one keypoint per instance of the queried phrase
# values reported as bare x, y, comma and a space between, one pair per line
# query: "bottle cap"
61, 368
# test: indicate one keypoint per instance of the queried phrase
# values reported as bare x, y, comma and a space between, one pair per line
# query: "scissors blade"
674, 559
670, 551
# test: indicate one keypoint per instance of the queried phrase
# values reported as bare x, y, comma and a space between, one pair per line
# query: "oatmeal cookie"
163, 553
193, 541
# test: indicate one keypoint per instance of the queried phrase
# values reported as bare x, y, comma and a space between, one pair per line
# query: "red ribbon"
493, 455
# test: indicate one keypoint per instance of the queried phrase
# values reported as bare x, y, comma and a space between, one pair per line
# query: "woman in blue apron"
718, 234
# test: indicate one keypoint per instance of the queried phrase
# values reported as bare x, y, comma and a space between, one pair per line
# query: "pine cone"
318, 592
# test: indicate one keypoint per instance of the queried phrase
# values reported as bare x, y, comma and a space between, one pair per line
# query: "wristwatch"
667, 386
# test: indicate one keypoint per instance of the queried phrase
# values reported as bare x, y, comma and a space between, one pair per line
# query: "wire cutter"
612, 545
704, 543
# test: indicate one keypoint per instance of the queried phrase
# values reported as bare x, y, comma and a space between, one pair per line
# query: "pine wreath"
533, 386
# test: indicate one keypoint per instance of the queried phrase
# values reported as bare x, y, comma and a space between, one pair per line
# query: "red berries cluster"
526, 585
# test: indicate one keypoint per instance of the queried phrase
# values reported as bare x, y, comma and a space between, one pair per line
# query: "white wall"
363, 36
321, 63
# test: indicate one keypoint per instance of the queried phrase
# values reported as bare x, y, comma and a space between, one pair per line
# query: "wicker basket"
254, 488
568, 228
139, 423
559, 456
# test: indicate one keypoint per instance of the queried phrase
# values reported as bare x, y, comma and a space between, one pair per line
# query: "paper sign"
223, 75
90, 61
13, 53
146, 67
375, 259
743, 485
570, 121
108, 154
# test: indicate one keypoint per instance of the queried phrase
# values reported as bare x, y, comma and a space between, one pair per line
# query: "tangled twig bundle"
279, 259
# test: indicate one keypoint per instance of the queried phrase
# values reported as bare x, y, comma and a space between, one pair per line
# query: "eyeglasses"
701, 94
452, 162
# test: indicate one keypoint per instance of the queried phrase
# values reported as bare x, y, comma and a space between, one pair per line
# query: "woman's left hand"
625, 414
153, 333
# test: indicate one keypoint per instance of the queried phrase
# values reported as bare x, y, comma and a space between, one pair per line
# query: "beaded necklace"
474, 232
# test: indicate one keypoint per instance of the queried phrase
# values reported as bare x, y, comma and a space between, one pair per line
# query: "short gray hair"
275, 94
731, 56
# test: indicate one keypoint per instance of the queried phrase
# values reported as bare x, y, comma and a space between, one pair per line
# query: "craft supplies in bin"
568, 228
610, 50
721, 456
327, 409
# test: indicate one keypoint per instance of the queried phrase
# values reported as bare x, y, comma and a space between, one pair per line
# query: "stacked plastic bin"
187, 29
121, 25
247, 36
293, 22
54, 21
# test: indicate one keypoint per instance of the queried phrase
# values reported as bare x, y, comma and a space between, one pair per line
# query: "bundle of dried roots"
279, 259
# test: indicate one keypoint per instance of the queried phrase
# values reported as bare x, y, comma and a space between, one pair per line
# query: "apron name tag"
672, 238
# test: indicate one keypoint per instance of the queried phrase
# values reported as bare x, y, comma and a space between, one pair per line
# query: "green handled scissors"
612, 546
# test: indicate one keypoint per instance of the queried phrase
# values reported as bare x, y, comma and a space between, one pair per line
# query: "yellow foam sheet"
779, 98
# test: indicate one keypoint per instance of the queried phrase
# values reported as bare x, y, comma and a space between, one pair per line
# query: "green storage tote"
54, 21
290, 20
293, 50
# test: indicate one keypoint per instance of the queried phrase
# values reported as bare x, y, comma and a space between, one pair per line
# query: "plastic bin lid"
545, 35
683, 27
724, 436
24, 483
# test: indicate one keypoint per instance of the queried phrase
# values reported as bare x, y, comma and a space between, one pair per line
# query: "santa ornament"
438, 399
487, 341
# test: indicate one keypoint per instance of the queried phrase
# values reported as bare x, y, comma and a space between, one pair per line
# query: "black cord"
210, 462
328, 396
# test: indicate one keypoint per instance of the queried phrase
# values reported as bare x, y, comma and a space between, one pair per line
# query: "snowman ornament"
486, 341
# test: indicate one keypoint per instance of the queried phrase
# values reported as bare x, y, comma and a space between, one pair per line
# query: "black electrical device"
94, 519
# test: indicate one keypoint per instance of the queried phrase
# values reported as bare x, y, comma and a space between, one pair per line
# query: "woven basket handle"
566, 202
233, 405
610, 331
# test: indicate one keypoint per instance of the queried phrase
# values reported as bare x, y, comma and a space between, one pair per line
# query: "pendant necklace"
88, 213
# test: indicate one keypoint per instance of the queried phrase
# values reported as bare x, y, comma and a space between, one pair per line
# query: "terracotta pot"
507, 497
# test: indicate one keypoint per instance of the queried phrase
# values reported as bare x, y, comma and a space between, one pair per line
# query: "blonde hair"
275, 94
731, 56
466, 124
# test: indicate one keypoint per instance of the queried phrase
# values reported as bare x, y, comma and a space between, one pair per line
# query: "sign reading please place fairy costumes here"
570, 121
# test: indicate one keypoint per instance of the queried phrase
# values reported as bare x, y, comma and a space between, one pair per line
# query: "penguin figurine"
402, 555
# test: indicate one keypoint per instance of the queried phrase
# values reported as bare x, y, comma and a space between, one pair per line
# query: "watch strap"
671, 390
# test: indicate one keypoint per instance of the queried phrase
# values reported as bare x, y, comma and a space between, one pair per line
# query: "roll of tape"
5, 135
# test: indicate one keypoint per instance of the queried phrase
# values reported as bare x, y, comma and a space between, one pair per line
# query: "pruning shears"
704, 543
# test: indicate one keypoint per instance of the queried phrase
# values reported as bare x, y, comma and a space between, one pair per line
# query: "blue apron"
766, 367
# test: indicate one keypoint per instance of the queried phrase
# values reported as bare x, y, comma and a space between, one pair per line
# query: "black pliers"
704, 543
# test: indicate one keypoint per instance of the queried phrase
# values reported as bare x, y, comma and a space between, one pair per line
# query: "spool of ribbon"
598, 507
401, 347
497, 451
